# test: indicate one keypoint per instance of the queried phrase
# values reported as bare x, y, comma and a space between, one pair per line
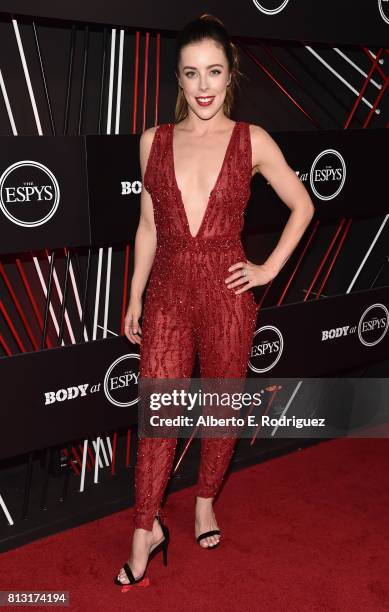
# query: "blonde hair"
208, 26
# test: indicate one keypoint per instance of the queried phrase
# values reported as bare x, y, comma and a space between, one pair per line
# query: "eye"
215, 70
189, 74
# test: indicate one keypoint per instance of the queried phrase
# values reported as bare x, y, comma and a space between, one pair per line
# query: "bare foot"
205, 521
143, 542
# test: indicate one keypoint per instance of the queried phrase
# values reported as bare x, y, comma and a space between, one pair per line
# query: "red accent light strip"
368, 118
268, 286
157, 75
185, 450
125, 286
299, 262
325, 257
335, 257
114, 447
5, 346
145, 77
12, 327
128, 448
88, 464
136, 78
32, 300
378, 67
364, 87
18, 308
91, 455
266, 71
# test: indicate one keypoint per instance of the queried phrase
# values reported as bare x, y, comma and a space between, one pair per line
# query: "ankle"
204, 504
141, 535
154, 527
204, 500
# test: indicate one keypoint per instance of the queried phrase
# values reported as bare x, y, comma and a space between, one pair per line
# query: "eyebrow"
211, 66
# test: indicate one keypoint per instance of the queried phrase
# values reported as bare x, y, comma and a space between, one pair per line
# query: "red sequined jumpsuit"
189, 308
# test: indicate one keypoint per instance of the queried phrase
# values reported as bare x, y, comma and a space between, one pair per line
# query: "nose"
203, 83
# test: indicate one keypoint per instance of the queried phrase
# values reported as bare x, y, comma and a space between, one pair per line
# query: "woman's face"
203, 76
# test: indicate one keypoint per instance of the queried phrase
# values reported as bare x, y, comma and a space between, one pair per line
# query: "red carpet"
304, 532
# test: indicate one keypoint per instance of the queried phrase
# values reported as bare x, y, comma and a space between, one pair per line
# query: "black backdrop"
293, 86
332, 21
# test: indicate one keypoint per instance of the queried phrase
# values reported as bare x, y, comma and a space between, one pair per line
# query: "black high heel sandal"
161, 546
206, 534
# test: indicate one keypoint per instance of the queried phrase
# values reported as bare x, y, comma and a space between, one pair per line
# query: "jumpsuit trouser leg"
224, 353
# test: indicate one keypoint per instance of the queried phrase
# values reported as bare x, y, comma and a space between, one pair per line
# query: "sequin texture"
188, 307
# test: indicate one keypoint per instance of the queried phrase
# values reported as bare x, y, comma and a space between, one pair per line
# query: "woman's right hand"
132, 329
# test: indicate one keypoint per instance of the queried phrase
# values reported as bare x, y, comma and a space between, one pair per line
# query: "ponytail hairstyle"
204, 27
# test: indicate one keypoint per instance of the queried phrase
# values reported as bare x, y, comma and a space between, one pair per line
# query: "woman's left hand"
256, 274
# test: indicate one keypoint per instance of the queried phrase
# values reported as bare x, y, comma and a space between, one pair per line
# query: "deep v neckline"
208, 206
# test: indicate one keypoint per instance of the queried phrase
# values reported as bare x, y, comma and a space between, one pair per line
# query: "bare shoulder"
145, 143
263, 145
147, 136
259, 135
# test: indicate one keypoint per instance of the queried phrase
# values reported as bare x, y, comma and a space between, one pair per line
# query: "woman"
196, 175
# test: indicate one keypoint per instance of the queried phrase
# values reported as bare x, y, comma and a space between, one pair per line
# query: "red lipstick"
204, 100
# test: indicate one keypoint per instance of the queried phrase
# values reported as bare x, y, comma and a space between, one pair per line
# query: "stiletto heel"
164, 552
160, 546
165, 541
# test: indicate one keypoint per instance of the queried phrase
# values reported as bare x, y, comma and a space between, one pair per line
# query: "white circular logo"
121, 381
267, 348
328, 174
29, 193
373, 328
383, 6
269, 9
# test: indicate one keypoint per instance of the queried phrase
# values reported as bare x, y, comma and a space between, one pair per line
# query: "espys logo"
270, 7
131, 187
383, 6
373, 324
29, 193
120, 384
121, 380
328, 174
267, 348
371, 329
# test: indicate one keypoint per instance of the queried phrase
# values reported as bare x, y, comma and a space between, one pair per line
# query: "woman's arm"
146, 237
145, 246
270, 162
